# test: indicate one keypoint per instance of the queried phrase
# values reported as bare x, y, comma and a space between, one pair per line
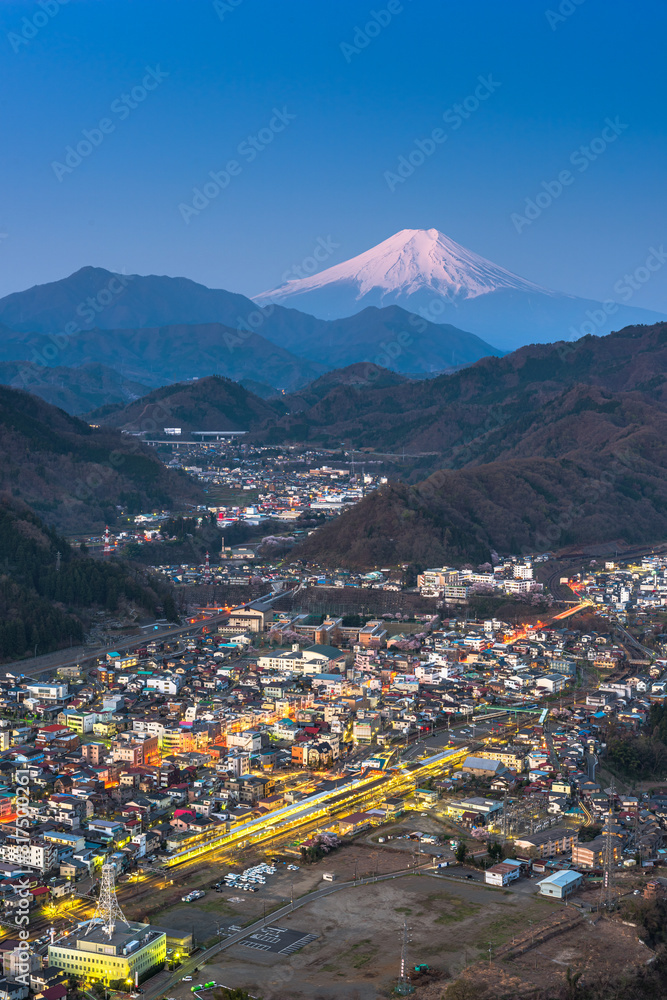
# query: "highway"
79, 654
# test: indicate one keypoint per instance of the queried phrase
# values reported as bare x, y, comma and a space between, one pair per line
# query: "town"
304, 734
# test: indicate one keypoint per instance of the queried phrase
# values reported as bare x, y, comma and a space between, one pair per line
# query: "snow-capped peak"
412, 261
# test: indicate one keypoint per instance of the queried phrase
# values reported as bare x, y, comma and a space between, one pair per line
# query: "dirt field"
231, 907
357, 950
594, 949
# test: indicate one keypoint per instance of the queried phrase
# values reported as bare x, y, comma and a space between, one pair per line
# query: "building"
36, 853
552, 683
10, 989
93, 753
78, 722
121, 661
548, 843
591, 854
483, 767
49, 693
136, 749
182, 942
354, 823
372, 635
313, 660
513, 757
502, 873
482, 809
366, 730
560, 885
19, 961
432, 582
134, 951
248, 618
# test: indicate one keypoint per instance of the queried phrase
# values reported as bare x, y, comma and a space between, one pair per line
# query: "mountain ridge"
94, 315
429, 274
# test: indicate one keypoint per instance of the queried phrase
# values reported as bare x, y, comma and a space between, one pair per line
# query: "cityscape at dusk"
333, 501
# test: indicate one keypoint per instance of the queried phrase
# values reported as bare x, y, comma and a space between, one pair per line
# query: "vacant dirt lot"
220, 910
595, 949
357, 951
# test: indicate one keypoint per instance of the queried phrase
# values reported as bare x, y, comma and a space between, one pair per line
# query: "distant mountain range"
160, 329
425, 272
209, 404
75, 390
552, 446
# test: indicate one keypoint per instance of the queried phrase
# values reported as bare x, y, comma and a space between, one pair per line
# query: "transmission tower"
108, 909
404, 986
607, 894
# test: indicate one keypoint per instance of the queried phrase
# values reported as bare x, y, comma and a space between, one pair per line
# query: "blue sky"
332, 110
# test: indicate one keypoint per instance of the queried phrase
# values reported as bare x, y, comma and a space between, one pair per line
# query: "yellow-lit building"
512, 756
130, 954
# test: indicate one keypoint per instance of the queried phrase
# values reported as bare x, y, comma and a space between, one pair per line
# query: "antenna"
107, 542
108, 908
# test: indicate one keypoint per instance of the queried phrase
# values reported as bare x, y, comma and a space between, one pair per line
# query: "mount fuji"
426, 272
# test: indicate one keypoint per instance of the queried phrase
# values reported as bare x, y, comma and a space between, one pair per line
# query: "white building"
48, 692
502, 873
36, 854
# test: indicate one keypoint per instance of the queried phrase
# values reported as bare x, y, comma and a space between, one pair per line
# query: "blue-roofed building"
560, 885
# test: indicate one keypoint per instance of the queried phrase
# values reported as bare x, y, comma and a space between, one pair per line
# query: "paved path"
153, 990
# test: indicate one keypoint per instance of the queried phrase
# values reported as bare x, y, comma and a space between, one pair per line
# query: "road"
650, 653
79, 654
162, 987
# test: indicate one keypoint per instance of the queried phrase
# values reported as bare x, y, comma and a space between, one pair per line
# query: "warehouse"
560, 885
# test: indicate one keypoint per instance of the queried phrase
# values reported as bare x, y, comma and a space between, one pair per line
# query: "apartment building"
548, 843
37, 854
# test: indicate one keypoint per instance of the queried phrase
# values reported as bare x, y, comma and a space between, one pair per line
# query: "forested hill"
74, 475
589, 467
44, 598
